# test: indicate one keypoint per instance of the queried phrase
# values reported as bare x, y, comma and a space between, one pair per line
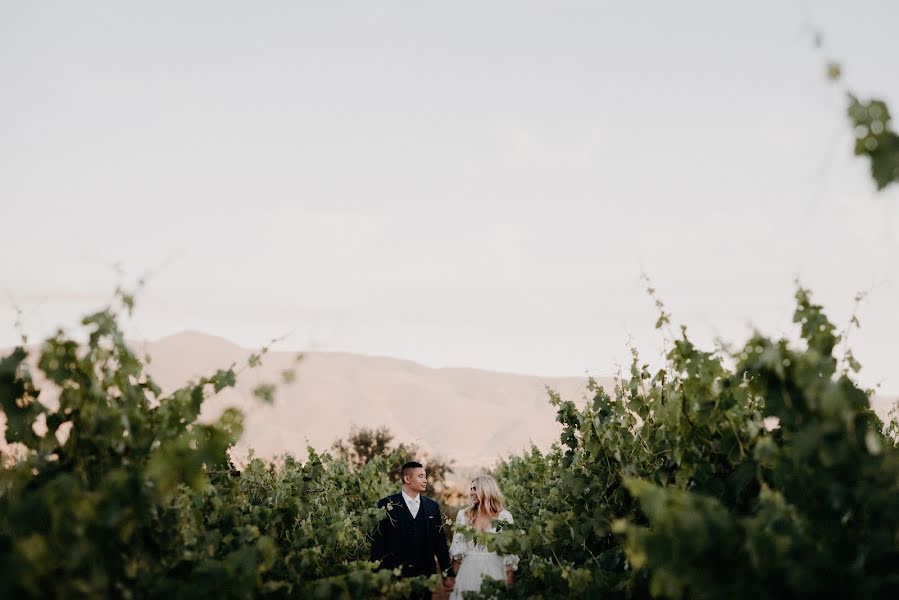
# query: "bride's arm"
459, 545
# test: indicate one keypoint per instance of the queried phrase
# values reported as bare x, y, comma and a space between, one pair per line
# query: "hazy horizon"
466, 185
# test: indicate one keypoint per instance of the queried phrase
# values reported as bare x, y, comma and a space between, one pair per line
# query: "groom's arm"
378, 543
441, 549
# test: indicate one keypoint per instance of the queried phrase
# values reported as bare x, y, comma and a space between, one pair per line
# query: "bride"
471, 561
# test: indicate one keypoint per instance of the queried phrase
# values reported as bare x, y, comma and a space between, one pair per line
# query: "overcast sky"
458, 183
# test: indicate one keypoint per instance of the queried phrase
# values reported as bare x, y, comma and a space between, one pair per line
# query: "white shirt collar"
409, 498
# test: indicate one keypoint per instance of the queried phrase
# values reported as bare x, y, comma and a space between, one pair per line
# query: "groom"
411, 535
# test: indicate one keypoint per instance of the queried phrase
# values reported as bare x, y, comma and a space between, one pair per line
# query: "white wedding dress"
477, 561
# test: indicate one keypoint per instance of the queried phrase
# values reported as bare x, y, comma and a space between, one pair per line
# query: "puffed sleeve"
459, 547
510, 560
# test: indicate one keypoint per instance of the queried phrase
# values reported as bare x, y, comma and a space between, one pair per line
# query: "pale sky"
458, 183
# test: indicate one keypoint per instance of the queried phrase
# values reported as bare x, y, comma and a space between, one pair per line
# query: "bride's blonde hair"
490, 499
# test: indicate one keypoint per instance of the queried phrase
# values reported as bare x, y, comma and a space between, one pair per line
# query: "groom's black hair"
409, 466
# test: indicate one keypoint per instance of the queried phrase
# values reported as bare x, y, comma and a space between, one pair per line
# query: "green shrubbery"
676, 488
140, 499
726, 474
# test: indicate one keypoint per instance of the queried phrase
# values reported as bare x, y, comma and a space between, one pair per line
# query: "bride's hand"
510, 577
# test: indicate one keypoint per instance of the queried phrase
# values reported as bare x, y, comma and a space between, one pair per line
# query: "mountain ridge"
470, 415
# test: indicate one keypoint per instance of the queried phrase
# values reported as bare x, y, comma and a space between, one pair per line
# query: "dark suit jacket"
392, 545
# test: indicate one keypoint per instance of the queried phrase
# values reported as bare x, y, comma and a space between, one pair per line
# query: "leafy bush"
677, 488
118, 491
725, 474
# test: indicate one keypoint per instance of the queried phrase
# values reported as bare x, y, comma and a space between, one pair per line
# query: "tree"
363, 445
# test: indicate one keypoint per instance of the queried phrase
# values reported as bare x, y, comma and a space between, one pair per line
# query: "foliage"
119, 490
363, 445
677, 488
725, 474
874, 138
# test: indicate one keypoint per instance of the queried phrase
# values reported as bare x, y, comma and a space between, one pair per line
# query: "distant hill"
468, 415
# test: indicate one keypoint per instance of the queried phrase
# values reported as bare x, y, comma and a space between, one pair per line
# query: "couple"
410, 537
